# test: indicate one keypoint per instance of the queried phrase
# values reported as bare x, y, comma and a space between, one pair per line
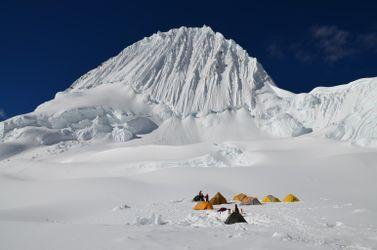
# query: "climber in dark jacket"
199, 197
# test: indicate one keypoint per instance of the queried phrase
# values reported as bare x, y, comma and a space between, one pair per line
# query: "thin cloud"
326, 43
332, 41
274, 50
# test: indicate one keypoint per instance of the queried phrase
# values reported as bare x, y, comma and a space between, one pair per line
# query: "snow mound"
154, 219
206, 219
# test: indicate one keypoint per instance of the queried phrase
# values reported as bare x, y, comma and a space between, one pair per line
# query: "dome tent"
270, 198
203, 205
250, 201
291, 198
235, 217
218, 199
239, 197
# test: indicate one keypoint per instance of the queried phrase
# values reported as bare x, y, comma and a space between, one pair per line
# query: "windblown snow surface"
114, 161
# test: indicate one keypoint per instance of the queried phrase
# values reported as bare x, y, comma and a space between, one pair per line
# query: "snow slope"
115, 197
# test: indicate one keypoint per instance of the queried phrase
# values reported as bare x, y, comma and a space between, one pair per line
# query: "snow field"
72, 199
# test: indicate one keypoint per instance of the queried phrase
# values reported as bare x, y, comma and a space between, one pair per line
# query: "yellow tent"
290, 198
270, 198
239, 197
203, 205
218, 199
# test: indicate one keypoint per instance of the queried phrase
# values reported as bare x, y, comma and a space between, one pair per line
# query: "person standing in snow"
207, 198
236, 209
199, 197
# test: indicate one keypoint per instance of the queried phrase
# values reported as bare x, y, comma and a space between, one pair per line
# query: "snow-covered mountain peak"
204, 30
191, 70
191, 85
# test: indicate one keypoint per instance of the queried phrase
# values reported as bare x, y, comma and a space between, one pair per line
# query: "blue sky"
45, 45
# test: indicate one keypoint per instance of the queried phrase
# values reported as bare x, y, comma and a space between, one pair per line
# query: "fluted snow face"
190, 70
346, 112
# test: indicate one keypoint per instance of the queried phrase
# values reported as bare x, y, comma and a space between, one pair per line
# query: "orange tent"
203, 205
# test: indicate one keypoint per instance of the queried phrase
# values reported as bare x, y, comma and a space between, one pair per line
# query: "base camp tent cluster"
235, 217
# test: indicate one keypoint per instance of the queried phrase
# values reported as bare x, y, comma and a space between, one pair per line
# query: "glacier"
191, 85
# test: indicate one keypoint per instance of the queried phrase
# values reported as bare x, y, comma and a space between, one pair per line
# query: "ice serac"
190, 70
189, 85
345, 112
